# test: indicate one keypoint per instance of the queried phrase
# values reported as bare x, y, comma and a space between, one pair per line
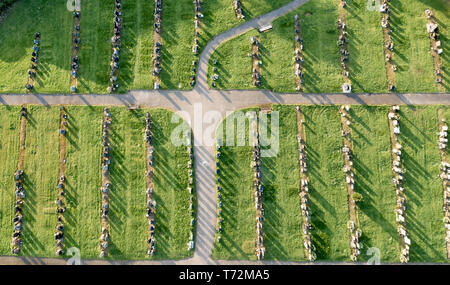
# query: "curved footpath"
192, 105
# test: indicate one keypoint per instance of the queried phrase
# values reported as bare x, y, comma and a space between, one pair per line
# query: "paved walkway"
194, 104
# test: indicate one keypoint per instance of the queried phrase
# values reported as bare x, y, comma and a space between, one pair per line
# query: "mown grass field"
412, 44
322, 67
283, 220
327, 186
366, 64
128, 199
282, 223
178, 33
52, 19
238, 211
55, 23
372, 166
423, 186
328, 194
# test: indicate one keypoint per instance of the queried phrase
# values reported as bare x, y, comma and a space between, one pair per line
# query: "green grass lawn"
372, 166
366, 61
423, 187
412, 45
95, 48
41, 178
322, 71
54, 22
128, 185
128, 198
329, 206
136, 64
322, 68
327, 186
178, 33
171, 190
238, 210
281, 179
9, 152
83, 179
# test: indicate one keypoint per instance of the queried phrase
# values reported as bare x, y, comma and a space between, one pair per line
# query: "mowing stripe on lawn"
283, 220
423, 188
328, 194
373, 178
41, 172
9, 152
83, 179
365, 35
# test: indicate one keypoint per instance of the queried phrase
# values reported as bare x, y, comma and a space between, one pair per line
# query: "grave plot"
258, 187
41, 168
373, 179
106, 183
151, 203
423, 186
192, 200
61, 188
436, 48
158, 44
367, 71
116, 41
19, 187
352, 196
9, 153
445, 172
399, 180
343, 45
76, 41
298, 54
32, 71
237, 6
391, 67
304, 188
256, 62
